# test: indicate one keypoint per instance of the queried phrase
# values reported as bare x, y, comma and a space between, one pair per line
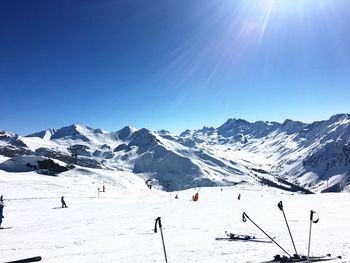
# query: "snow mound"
21, 163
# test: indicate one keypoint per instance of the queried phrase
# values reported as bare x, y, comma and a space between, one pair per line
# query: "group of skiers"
196, 196
2, 205
64, 205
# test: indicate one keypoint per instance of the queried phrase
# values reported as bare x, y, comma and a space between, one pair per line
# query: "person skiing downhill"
63, 202
1, 212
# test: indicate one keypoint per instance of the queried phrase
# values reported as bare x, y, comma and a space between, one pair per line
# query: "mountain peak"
7, 135
143, 138
339, 117
125, 133
74, 131
290, 126
234, 127
163, 132
185, 133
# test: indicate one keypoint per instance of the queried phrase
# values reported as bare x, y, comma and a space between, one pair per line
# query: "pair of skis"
296, 257
245, 238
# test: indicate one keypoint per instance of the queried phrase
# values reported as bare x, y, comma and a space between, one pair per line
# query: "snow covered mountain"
291, 155
310, 155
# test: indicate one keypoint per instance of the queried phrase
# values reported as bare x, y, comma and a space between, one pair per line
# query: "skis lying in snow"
244, 240
298, 258
25, 260
238, 237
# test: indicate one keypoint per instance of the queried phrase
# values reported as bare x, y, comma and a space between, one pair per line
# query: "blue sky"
171, 64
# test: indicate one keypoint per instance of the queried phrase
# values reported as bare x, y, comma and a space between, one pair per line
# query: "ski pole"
244, 219
311, 221
161, 233
280, 206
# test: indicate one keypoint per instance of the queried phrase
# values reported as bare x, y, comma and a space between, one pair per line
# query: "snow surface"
118, 225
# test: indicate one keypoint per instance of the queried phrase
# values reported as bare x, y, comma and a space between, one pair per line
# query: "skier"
63, 202
239, 197
1, 211
149, 184
1, 198
195, 197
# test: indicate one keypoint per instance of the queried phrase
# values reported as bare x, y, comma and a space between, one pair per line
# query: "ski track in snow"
118, 226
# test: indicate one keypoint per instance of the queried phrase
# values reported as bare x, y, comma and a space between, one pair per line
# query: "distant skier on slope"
195, 197
1, 212
239, 197
63, 202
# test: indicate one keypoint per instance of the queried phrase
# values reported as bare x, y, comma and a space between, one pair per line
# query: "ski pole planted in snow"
312, 220
280, 206
244, 219
161, 233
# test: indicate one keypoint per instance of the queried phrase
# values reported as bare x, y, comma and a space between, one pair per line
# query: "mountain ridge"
312, 155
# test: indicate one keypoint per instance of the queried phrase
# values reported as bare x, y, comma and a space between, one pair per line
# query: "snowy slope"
118, 226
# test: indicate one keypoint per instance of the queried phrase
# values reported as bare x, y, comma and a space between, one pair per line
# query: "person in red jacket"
195, 197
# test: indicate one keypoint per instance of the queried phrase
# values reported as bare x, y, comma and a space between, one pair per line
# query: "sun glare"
237, 32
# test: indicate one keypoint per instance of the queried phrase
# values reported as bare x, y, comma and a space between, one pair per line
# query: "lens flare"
235, 38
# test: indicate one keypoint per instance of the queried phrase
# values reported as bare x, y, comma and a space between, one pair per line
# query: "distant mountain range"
292, 155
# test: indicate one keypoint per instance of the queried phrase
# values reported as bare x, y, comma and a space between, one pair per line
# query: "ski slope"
118, 225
